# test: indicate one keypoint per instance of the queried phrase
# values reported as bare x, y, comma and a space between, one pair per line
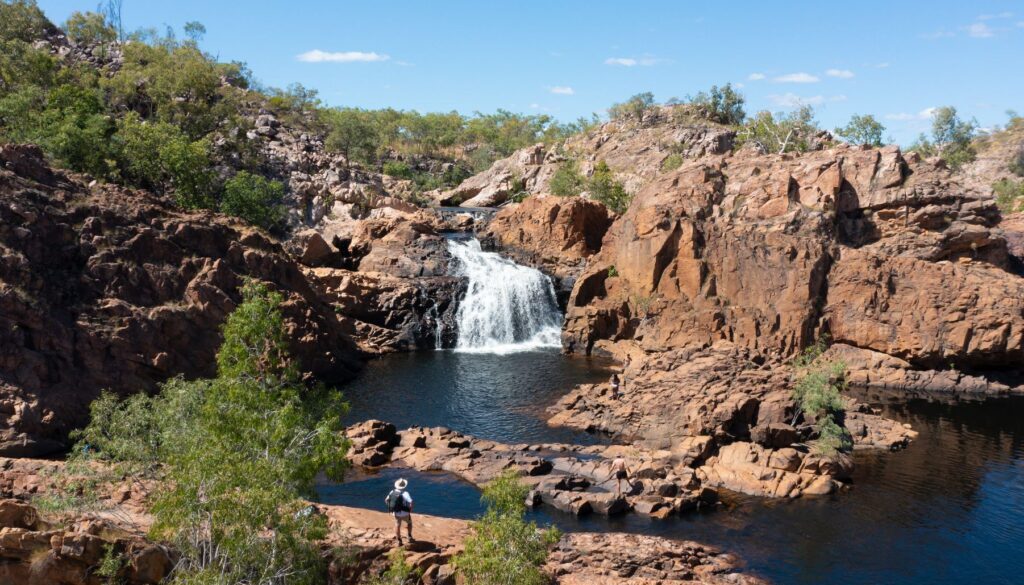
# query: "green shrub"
567, 180
1009, 195
634, 107
236, 454
397, 169
672, 162
817, 394
720, 104
254, 199
951, 138
21, 20
504, 548
159, 156
604, 188
89, 27
1017, 162
862, 130
779, 133
399, 572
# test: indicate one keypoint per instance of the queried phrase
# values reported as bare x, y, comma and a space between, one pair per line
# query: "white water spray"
507, 307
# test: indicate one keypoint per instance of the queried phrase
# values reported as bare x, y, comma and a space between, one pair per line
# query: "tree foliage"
254, 199
89, 27
236, 454
817, 393
862, 130
951, 138
720, 104
634, 107
567, 180
604, 188
504, 548
780, 132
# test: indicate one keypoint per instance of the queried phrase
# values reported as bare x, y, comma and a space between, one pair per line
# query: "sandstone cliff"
108, 288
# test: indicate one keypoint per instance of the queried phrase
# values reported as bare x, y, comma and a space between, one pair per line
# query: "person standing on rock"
399, 503
614, 383
620, 472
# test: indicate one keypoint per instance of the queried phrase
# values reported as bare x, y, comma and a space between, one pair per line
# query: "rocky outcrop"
556, 235
108, 288
633, 150
629, 559
570, 478
883, 252
38, 550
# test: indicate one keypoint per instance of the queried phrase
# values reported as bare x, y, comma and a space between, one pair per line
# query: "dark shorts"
620, 474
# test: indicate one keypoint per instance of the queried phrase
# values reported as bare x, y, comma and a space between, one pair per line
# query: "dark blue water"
950, 509
497, 397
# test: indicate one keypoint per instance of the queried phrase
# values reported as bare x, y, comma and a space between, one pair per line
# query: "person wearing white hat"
399, 503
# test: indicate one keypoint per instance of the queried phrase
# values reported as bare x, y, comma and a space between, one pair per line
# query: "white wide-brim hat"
400, 484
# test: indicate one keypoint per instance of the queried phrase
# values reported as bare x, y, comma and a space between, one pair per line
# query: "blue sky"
569, 58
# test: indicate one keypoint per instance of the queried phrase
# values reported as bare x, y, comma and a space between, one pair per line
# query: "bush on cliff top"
505, 548
235, 454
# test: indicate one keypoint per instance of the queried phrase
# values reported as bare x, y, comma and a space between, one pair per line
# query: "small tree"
567, 180
604, 188
781, 132
634, 107
720, 104
952, 136
504, 548
862, 130
89, 27
817, 394
236, 453
254, 199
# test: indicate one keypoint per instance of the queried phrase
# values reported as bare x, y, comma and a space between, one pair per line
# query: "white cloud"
980, 30
562, 90
756, 76
796, 78
840, 73
318, 56
739, 85
1020, 24
882, 65
924, 114
1001, 15
623, 61
632, 61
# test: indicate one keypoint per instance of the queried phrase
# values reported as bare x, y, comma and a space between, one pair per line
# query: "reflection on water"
497, 397
950, 509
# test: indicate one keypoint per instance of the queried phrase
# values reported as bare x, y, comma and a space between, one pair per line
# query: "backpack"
396, 502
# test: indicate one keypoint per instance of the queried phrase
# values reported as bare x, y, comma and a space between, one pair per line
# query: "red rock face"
108, 288
768, 251
553, 234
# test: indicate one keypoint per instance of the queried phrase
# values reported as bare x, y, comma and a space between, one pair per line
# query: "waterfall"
507, 307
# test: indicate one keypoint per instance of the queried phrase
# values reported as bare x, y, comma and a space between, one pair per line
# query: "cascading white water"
507, 307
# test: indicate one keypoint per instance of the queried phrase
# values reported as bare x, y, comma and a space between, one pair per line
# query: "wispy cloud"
939, 34
924, 114
318, 56
1001, 15
756, 76
796, 78
882, 65
840, 73
792, 100
632, 61
562, 90
980, 30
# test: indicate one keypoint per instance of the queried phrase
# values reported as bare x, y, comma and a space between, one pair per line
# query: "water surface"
950, 509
